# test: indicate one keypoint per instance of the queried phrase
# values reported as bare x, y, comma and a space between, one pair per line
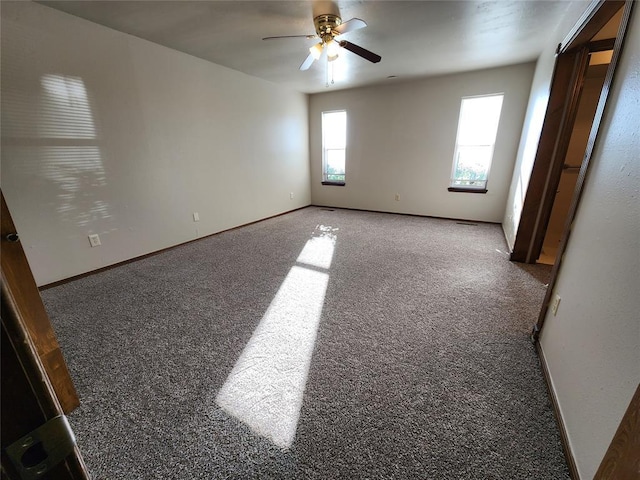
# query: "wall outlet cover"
94, 240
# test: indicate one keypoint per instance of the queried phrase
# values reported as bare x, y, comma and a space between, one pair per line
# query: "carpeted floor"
322, 344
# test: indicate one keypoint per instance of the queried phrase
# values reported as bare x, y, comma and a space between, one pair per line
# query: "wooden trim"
582, 176
622, 460
602, 45
335, 184
566, 87
564, 438
467, 190
28, 397
19, 283
591, 22
560, 149
157, 252
467, 220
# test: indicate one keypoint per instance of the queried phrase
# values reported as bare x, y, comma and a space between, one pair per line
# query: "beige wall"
401, 139
106, 133
592, 346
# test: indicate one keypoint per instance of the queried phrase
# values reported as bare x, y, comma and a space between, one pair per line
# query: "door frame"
579, 41
28, 398
564, 97
18, 278
565, 88
36, 385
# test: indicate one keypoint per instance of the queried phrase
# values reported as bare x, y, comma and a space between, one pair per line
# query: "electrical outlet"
291, 195
196, 217
397, 197
555, 303
94, 240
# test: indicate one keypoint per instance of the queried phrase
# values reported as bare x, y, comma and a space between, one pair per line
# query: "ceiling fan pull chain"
326, 83
329, 74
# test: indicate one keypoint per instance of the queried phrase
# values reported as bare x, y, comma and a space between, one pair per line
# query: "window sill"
467, 190
336, 184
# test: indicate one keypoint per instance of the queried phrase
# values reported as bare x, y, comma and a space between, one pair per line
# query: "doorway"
580, 55
587, 106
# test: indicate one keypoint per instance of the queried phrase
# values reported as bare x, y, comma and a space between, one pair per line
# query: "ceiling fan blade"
308, 37
307, 62
350, 26
363, 52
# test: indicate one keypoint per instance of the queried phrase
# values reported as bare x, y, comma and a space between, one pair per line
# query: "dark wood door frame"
565, 91
593, 135
21, 285
566, 88
36, 386
28, 399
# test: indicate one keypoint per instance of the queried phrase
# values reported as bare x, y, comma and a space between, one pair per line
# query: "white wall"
592, 346
538, 100
106, 133
400, 140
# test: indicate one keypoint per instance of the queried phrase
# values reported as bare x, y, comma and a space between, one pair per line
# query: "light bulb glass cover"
316, 51
332, 50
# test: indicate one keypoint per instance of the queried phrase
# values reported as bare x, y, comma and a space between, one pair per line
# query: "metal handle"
42, 449
13, 238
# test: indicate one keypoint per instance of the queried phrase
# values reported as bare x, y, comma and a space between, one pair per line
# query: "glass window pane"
335, 161
334, 129
479, 119
472, 165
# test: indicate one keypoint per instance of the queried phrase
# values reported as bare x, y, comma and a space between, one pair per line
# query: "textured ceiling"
414, 38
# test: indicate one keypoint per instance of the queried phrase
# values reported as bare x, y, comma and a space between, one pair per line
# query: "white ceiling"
414, 38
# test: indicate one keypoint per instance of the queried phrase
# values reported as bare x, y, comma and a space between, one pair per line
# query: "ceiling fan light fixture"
329, 29
316, 51
332, 50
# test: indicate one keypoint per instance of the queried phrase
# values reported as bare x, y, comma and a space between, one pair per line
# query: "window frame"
482, 188
325, 150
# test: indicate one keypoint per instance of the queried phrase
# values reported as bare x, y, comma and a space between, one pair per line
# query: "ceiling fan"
328, 27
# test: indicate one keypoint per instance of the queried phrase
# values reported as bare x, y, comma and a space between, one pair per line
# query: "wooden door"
22, 292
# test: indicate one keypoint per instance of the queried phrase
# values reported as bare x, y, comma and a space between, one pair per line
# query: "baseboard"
564, 438
406, 214
151, 254
506, 240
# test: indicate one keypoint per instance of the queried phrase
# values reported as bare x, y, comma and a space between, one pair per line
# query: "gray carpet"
418, 365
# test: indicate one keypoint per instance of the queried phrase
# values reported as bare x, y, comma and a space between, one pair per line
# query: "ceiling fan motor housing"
325, 24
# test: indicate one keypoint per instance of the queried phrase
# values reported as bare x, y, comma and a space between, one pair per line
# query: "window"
334, 147
477, 129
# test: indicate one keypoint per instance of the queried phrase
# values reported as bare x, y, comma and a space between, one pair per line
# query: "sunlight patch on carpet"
266, 386
318, 252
